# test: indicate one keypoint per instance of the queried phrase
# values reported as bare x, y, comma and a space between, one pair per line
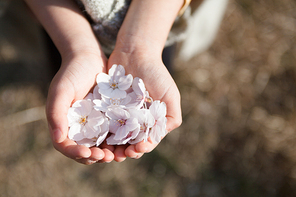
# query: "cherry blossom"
122, 123
139, 95
115, 83
104, 103
158, 111
130, 136
96, 94
86, 123
146, 121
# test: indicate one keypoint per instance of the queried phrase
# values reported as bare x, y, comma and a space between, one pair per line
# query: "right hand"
72, 82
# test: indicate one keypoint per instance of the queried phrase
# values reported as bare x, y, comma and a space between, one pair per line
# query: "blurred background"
238, 100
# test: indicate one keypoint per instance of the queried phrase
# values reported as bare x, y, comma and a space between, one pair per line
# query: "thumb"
58, 103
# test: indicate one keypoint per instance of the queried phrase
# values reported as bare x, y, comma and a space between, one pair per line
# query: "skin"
139, 47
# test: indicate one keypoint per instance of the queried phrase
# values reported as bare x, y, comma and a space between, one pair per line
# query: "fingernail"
57, 134
134, 157
89, 162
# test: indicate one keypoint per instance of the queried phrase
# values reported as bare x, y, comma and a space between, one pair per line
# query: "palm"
160, 86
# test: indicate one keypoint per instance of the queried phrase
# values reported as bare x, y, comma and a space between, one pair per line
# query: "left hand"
160, 85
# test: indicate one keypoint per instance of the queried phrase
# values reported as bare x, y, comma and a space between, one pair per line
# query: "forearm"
66, 25
147, 23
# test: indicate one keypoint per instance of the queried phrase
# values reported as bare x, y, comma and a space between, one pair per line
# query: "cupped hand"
72, 82
160, 85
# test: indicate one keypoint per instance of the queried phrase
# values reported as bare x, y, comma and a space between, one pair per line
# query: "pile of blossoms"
119, 110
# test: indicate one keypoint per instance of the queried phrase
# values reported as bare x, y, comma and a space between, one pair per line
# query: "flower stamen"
121, 122
114, 85
148, 100
83, 120
115, 101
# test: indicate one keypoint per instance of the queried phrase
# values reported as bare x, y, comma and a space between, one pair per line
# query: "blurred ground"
238, 132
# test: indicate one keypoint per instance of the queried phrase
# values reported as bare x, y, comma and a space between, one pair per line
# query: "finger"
70, 149
96, 154
145, 147
57, 106
132, 152
139, 156
174, 113
119, 153
108, 151
86, 161
109, 156
109, 147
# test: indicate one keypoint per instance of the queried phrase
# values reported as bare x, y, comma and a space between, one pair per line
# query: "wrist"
83, 51
133, 44
84, 61
147, 25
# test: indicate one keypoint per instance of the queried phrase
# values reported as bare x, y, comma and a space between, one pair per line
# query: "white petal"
125, 82
126, 100
112, 70
73, 117
83, 106
139, 86
90, 132
139, 114
105, 126
111, 141
134, 133
113, 126
106, 100
150, 121
106, 92
158, 109
117, 93
116, 72
121, 133
100, 105
103, 78
154, 136
131, 124
158, 131
134, 102
101, 138
89, 96
96, 94
75, 132
86, 142
117, 113
142, 136
74, 112
96, 117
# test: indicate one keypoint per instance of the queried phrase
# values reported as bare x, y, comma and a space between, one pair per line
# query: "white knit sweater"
107, 17
197, 28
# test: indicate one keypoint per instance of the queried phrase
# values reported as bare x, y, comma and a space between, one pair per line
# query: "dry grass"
238, 132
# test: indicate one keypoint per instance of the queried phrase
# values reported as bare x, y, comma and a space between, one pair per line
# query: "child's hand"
82, 60
72, 82
138, 48
159, 84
